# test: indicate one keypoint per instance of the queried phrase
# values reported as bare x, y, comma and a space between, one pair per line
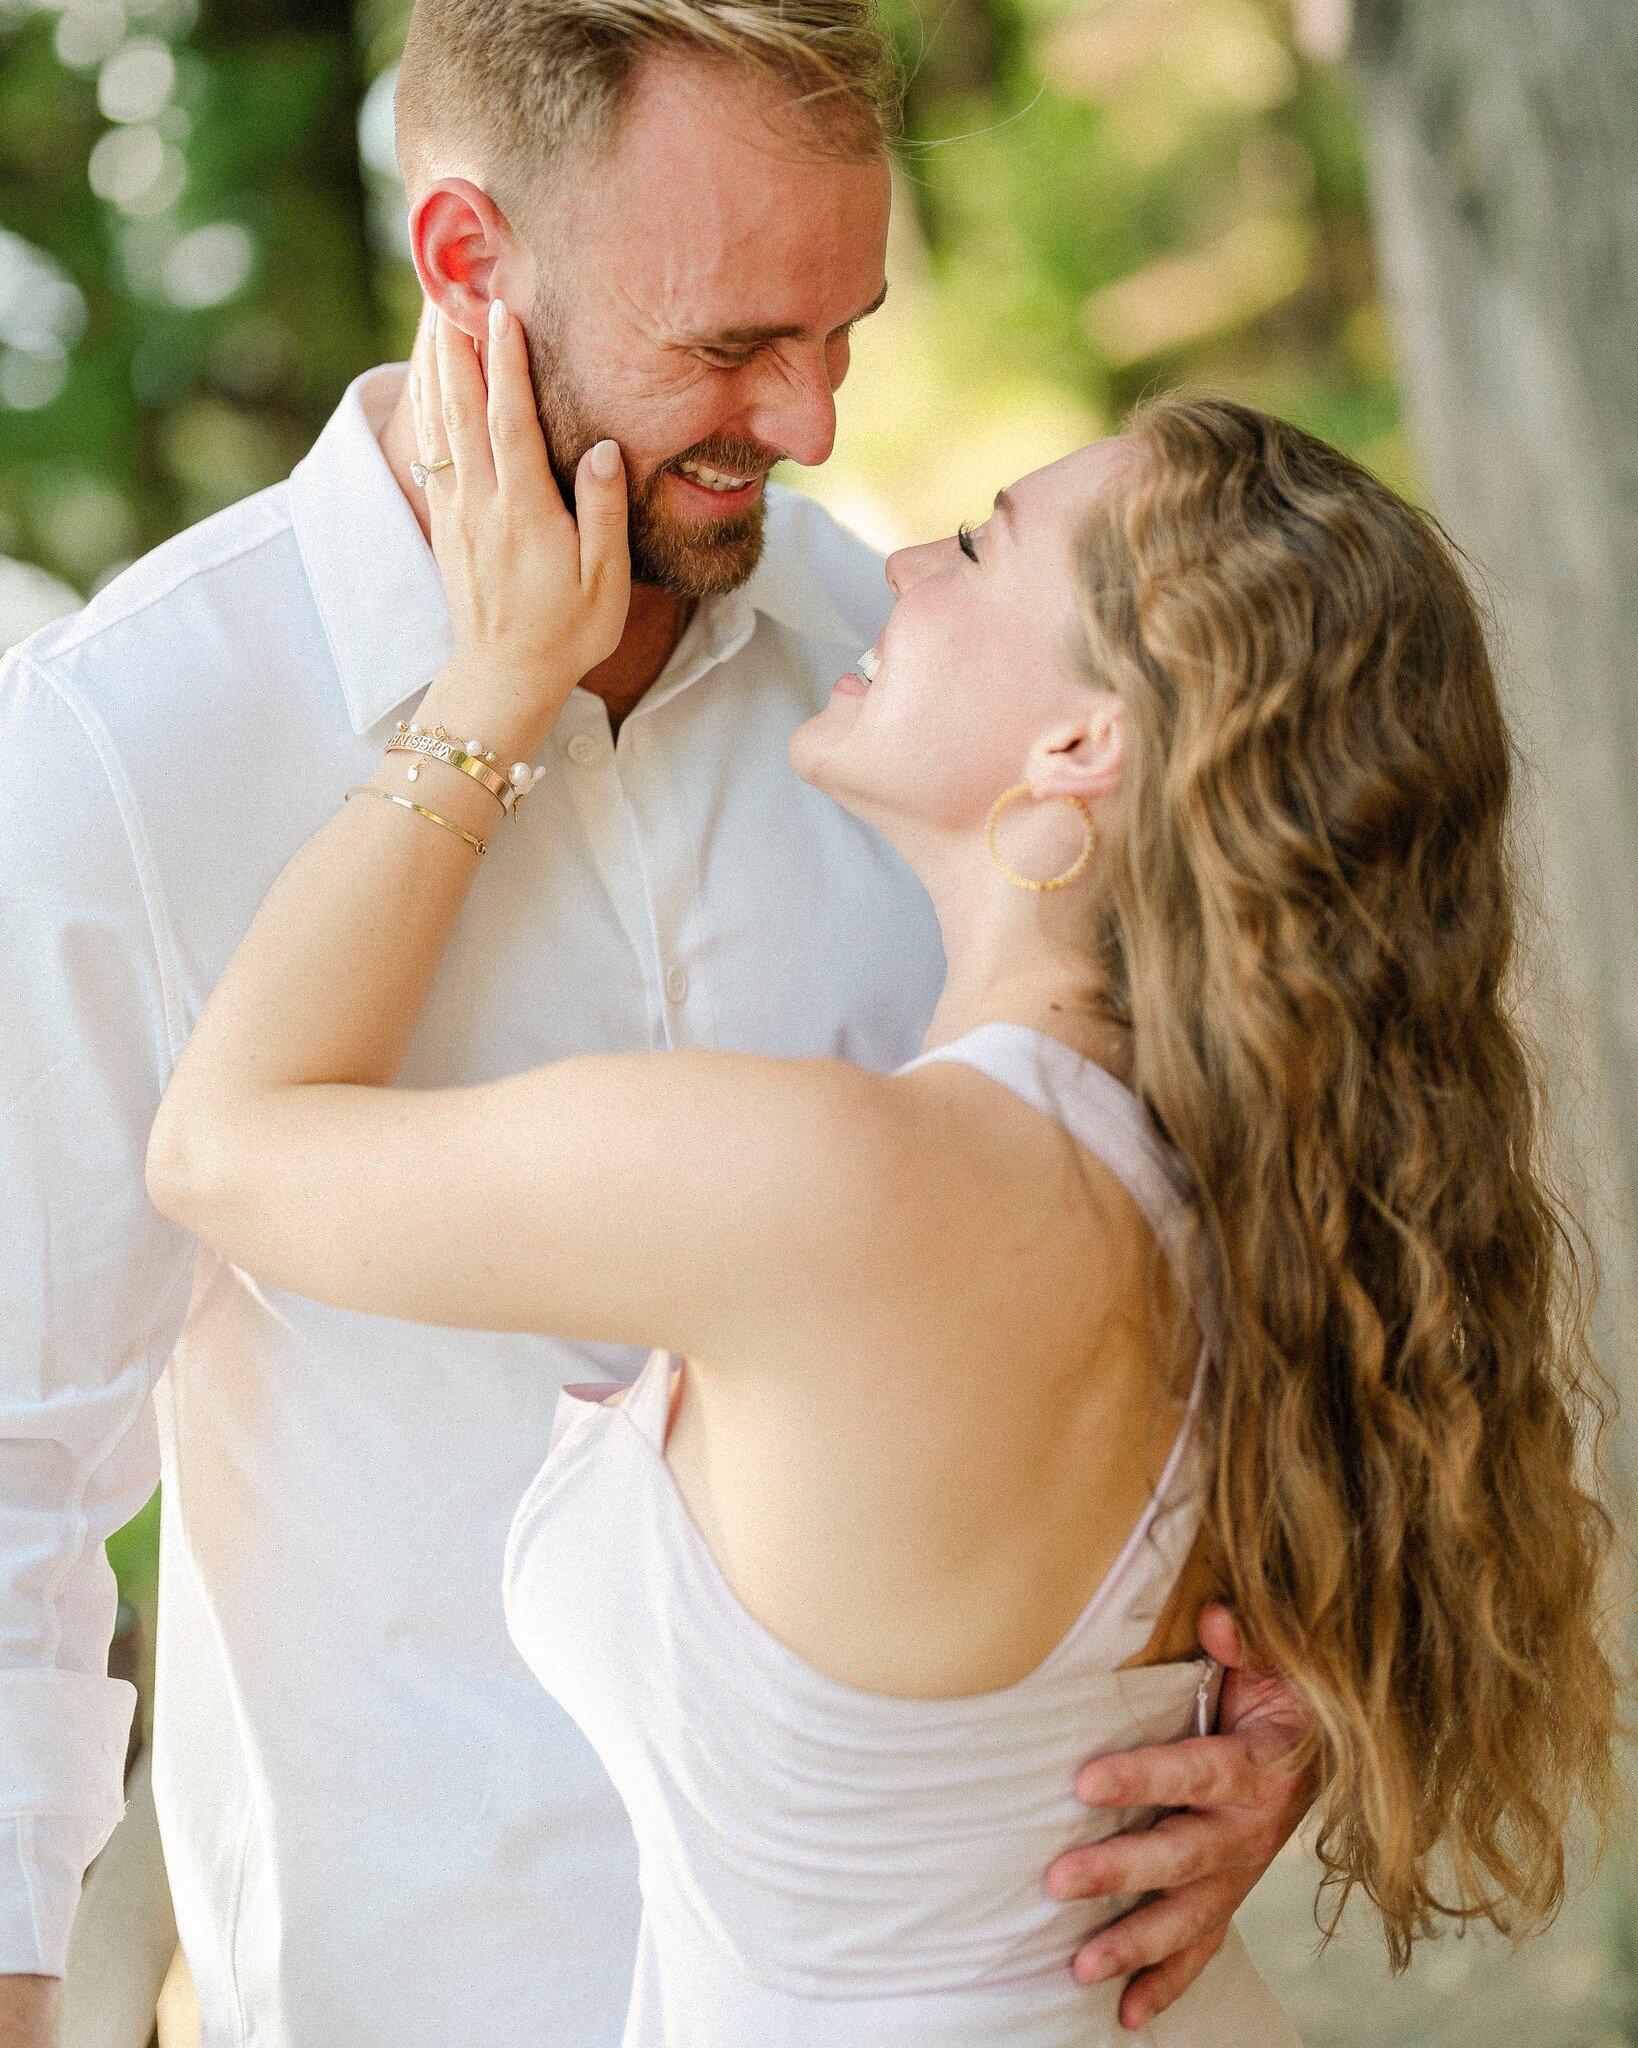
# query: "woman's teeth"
713, 479
868, 665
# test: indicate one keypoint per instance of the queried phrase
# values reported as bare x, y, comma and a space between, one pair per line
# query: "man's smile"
714, 492
714, 479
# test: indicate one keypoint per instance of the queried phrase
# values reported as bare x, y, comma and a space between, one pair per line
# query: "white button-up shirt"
379, 1830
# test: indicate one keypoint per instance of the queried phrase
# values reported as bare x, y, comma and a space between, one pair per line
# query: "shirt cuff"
63, 1736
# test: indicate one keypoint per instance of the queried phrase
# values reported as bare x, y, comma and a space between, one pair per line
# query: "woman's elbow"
187, 1161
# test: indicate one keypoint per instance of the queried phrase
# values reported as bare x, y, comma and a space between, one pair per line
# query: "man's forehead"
709, 165
690, 98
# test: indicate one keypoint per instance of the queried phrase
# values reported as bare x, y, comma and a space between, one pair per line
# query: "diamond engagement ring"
422, 470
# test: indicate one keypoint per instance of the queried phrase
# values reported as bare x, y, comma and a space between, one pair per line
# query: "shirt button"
583, 749
676, 985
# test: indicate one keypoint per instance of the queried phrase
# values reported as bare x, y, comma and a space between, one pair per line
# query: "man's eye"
964, 541
723, 358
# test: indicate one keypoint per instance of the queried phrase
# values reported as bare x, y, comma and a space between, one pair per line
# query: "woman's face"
973, 685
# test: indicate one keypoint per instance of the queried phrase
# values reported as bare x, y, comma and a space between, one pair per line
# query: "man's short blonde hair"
520, 81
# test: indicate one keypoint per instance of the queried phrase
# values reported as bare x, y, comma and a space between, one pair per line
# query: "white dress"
824, 1867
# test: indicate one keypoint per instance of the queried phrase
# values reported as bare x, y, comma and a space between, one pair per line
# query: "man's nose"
797, 413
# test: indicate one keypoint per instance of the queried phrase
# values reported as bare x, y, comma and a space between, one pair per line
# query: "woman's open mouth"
858, 679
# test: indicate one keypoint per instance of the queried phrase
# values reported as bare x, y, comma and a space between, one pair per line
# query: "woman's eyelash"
964, 541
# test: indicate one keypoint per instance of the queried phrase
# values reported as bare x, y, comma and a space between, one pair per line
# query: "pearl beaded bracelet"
508, 788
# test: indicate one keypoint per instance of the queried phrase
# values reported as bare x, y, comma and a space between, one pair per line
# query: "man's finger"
1204, 1770
515, 433
1176, 1851
465, 407
1151, 1991
1164, 1927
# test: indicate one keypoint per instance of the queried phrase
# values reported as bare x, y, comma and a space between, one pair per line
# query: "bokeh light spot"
89, 32
137, 80
28, 382
42, 309
209, 266
136, 170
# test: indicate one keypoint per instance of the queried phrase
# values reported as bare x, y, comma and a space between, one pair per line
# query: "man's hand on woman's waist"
1236, 1797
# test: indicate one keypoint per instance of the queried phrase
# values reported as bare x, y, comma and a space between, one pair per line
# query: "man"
378, 1829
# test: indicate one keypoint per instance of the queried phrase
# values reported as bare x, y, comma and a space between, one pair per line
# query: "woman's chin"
816, 739
812, 749
803, 753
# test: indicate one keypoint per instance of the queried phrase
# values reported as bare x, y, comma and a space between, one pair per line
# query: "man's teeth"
868, 665
713, 479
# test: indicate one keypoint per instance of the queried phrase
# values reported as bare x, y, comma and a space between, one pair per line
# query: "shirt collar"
371, 572
382, 604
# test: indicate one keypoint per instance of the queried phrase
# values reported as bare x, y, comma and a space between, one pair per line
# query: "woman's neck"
1012, 967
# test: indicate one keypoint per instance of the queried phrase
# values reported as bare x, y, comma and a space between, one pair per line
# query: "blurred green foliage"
201, 243
183, 183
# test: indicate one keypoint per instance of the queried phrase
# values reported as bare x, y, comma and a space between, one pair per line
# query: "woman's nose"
907, 566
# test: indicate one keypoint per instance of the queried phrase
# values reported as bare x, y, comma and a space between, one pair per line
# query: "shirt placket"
657, 761
651, 763
591, 768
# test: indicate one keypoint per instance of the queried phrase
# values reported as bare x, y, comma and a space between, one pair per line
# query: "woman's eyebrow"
752, 337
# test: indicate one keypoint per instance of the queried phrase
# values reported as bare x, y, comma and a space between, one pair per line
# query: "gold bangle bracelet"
435, 747
478, 846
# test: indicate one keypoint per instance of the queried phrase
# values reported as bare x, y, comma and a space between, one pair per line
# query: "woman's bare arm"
686, 1200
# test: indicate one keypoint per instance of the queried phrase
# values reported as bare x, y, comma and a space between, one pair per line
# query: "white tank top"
824, 1867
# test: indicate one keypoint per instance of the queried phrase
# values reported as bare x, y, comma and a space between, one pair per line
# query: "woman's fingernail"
605, 460
497, 319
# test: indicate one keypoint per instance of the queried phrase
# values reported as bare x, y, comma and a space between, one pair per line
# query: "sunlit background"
201, 243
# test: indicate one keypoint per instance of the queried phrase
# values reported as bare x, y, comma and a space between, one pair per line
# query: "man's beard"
691, 558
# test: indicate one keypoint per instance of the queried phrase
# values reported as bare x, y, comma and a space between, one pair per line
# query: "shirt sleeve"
94, 1286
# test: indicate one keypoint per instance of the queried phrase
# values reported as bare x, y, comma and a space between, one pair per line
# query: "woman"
1210, 1224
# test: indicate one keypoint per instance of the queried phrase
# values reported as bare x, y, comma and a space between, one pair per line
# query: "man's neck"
656, 622
654, 625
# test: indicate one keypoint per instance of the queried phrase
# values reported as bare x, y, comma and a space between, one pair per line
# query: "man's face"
693, 302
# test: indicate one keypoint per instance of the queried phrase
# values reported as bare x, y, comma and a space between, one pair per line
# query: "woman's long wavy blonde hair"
1310, 930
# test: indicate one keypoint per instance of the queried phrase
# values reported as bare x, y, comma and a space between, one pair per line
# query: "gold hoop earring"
1011, 796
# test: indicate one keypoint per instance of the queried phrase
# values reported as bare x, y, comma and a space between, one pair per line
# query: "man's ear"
1082, 759
457, 236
